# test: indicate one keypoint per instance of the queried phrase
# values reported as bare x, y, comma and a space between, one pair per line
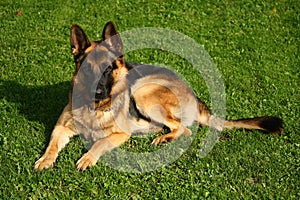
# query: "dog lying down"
110, 99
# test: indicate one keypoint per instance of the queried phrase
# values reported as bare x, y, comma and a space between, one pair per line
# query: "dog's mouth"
96, 100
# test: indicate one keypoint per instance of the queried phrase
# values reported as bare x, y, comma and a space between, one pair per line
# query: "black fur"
105, 83
271, 124
268, 123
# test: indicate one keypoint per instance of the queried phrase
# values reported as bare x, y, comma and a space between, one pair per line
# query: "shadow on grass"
43, 104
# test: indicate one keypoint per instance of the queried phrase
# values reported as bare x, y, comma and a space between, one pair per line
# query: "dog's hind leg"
60, 136
164, 116
177, 130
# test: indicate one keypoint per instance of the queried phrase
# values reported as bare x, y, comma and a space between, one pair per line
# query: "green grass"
255, 46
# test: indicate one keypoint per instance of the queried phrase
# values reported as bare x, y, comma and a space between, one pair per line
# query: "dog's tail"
268, 124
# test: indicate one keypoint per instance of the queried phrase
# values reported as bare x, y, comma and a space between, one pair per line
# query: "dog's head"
99, 64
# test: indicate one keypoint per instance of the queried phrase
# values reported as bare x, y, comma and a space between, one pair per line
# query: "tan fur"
162, 98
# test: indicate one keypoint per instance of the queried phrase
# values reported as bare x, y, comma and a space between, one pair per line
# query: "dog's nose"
98, 91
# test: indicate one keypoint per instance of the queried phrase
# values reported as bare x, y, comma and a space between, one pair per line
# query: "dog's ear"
112, 38
79, 41
109, 30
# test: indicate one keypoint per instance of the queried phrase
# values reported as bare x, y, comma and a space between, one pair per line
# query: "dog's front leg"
100, 147
63, 131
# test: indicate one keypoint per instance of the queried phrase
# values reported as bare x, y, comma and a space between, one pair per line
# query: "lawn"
255, 46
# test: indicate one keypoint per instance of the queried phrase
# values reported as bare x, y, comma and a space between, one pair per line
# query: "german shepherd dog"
110, 99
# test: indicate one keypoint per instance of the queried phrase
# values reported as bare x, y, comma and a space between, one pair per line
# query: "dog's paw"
163, 139
86, 161
171, 136
46, 161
